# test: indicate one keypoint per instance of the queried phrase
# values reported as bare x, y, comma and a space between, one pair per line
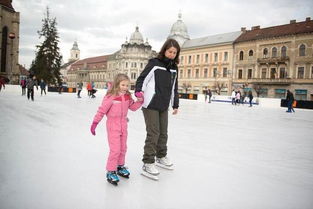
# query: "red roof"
90, 63
6, 3
276, 31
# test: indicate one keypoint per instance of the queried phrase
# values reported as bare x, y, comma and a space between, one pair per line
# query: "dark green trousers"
156, 141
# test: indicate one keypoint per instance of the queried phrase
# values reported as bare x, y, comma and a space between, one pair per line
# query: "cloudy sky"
101, 26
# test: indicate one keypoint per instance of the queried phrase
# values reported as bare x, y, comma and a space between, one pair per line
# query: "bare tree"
258, 88
219, 86
186, 87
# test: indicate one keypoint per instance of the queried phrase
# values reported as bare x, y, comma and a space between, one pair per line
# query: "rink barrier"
188, 96
299, 104
64, 89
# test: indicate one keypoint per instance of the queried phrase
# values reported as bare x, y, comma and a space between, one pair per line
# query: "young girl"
158, 81
115, 106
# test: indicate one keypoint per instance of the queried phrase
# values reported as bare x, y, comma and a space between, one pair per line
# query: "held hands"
93, 128
175, 111
139, 96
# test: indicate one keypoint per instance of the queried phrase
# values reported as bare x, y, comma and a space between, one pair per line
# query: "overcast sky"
101, 26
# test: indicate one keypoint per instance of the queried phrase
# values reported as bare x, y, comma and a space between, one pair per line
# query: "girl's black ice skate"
112, 177
123, 172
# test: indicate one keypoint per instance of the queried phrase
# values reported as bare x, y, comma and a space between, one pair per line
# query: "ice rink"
226, 157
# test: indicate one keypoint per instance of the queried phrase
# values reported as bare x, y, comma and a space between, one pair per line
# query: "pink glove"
93, 128
139, 94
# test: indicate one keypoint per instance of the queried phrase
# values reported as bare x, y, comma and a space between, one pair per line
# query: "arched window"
4, 48
284, 51
250, 53
241, 55
274, 52
265, 52
302, 50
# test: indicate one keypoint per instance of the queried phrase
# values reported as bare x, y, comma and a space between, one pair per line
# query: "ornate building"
9, 41
205, 62
274, 59
130, 59
74, 56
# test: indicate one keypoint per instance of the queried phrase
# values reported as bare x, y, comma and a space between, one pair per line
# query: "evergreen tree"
48, 60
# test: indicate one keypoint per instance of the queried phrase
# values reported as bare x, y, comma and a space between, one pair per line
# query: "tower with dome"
179, 31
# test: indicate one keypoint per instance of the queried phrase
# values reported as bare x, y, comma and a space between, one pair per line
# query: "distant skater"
42, 87
115, 106
290, 99
250, 96
31, 83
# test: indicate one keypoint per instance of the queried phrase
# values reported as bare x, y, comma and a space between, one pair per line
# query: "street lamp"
12, 37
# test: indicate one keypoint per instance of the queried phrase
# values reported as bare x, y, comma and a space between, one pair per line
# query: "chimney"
292, 21
308, 19
243, 29
255, 27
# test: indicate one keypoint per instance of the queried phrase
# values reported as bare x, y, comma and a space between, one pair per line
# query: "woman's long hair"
115, 88
168, 44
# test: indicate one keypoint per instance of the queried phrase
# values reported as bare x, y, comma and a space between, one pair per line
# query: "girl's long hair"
168, 44
115, 88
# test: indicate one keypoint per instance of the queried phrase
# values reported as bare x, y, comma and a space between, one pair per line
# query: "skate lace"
112, 175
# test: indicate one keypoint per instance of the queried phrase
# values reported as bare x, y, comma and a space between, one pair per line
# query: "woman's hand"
175, 111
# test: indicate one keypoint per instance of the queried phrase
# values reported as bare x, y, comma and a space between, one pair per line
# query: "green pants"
156, 141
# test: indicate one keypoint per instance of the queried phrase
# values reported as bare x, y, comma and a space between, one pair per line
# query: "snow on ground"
225, 157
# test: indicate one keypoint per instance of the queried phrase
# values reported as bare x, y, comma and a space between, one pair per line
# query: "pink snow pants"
117, 137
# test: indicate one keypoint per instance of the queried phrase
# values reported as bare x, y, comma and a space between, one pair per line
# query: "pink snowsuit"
116, 108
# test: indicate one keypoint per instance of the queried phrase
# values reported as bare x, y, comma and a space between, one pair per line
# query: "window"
189, 59
263, 75
274, 52
205, 73
189, 73
215, 72
302, 50
181, 74
312, 72
265, 53
280, 93
224, 72
301, 94
197, 73
198, 58
141, 65
263, 93
273, 73
4, 48
206, 57
249, 73
300, 72
215, 57
182, 59
250, 53
133, 76
225, 56
241, 55
240, 74
283, 51
282, 73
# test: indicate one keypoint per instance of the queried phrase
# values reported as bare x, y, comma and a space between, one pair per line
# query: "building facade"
130, 59
272, 60
9, 41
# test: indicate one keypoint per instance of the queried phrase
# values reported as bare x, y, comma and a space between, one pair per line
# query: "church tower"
75, 52
179, 31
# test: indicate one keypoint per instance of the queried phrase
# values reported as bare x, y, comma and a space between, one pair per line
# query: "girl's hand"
139, 99
175, 111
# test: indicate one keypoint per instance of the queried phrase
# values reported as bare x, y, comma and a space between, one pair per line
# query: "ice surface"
225, 157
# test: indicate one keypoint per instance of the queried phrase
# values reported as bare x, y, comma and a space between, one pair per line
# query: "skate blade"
164, 166
126, 177
115, 183
150, 176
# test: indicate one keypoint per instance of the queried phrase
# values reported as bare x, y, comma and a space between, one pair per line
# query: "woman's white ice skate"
149, 171
164, 162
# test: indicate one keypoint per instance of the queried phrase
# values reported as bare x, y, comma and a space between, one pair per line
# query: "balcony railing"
271, 81
273, 59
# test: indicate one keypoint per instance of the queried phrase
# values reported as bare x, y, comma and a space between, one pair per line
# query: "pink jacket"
116, 107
